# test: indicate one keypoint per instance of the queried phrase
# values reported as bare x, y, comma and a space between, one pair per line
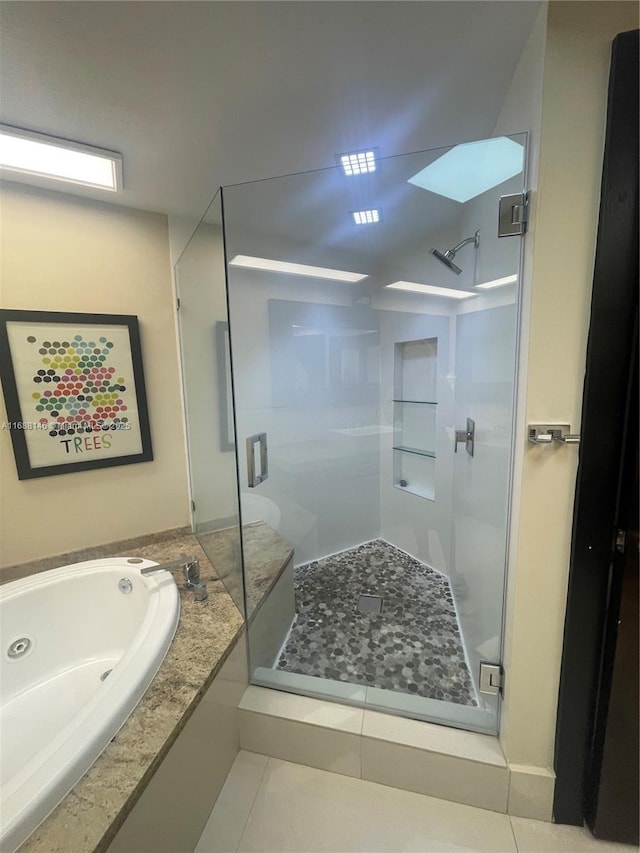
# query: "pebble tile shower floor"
413, 646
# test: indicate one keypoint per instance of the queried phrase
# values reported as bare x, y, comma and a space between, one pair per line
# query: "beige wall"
62, 253
560, 264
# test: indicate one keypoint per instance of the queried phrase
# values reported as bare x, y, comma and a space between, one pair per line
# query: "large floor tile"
228, 819
535, 836
304, 810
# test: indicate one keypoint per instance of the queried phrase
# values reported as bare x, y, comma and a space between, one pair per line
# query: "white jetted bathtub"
79, 647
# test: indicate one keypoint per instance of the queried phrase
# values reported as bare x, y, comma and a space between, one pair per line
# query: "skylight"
468, 170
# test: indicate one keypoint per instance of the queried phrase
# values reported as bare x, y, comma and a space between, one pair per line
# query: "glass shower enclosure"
206, 381
369, 367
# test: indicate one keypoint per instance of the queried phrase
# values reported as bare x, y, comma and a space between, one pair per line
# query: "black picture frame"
61, 428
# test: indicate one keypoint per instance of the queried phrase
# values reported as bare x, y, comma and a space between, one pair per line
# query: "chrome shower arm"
447, 257
475, 240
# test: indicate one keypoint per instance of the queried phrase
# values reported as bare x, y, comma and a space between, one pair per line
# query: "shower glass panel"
359, 357
204, 340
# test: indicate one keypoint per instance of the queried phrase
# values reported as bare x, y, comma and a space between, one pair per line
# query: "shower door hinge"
177, 304
491, 678
193, 506
513, 214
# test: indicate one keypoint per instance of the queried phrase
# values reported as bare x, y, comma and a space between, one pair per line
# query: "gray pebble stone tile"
413, 646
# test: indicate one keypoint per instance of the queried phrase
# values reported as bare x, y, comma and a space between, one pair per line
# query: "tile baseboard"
531, 792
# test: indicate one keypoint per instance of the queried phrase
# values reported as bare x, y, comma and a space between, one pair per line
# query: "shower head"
446, 260
447, 257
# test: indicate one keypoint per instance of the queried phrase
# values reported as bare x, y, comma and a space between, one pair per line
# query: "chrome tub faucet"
191, 570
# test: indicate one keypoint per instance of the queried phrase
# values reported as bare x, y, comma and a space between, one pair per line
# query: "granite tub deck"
88, 818
266, 555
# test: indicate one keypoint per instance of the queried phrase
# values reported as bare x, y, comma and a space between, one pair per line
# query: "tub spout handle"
182, 563
191, 570
199, 590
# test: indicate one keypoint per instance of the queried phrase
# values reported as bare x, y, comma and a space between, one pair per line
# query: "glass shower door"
374, 389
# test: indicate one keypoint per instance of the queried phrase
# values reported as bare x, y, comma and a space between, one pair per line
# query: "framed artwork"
74, 390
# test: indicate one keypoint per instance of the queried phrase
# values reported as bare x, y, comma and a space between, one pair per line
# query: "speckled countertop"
88, 818
265, 555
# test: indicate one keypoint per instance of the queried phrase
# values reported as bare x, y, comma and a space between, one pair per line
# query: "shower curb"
437, 761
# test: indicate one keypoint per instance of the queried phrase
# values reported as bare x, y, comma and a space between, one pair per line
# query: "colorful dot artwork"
77, 391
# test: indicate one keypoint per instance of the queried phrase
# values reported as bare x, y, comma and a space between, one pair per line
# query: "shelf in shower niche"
423, 491
416, 450
415, 415
418, 402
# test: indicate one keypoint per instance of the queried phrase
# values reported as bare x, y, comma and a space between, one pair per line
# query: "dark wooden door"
594, 736
613, 791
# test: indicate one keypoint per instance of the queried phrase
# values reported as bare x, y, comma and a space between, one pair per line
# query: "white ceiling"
199, 94
314, 209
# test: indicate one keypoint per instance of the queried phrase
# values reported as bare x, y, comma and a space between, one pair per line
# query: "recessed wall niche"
414, 416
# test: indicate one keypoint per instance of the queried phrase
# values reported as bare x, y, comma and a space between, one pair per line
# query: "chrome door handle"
466, 436
461, 438
253, 477
572, 438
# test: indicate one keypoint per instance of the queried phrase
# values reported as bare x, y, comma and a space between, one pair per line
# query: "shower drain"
19, 647
370, 604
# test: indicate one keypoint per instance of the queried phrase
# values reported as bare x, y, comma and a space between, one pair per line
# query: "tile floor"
413, 646
274, 806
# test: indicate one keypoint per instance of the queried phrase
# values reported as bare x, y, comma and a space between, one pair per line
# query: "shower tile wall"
297, 378
408, 521
413, 646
